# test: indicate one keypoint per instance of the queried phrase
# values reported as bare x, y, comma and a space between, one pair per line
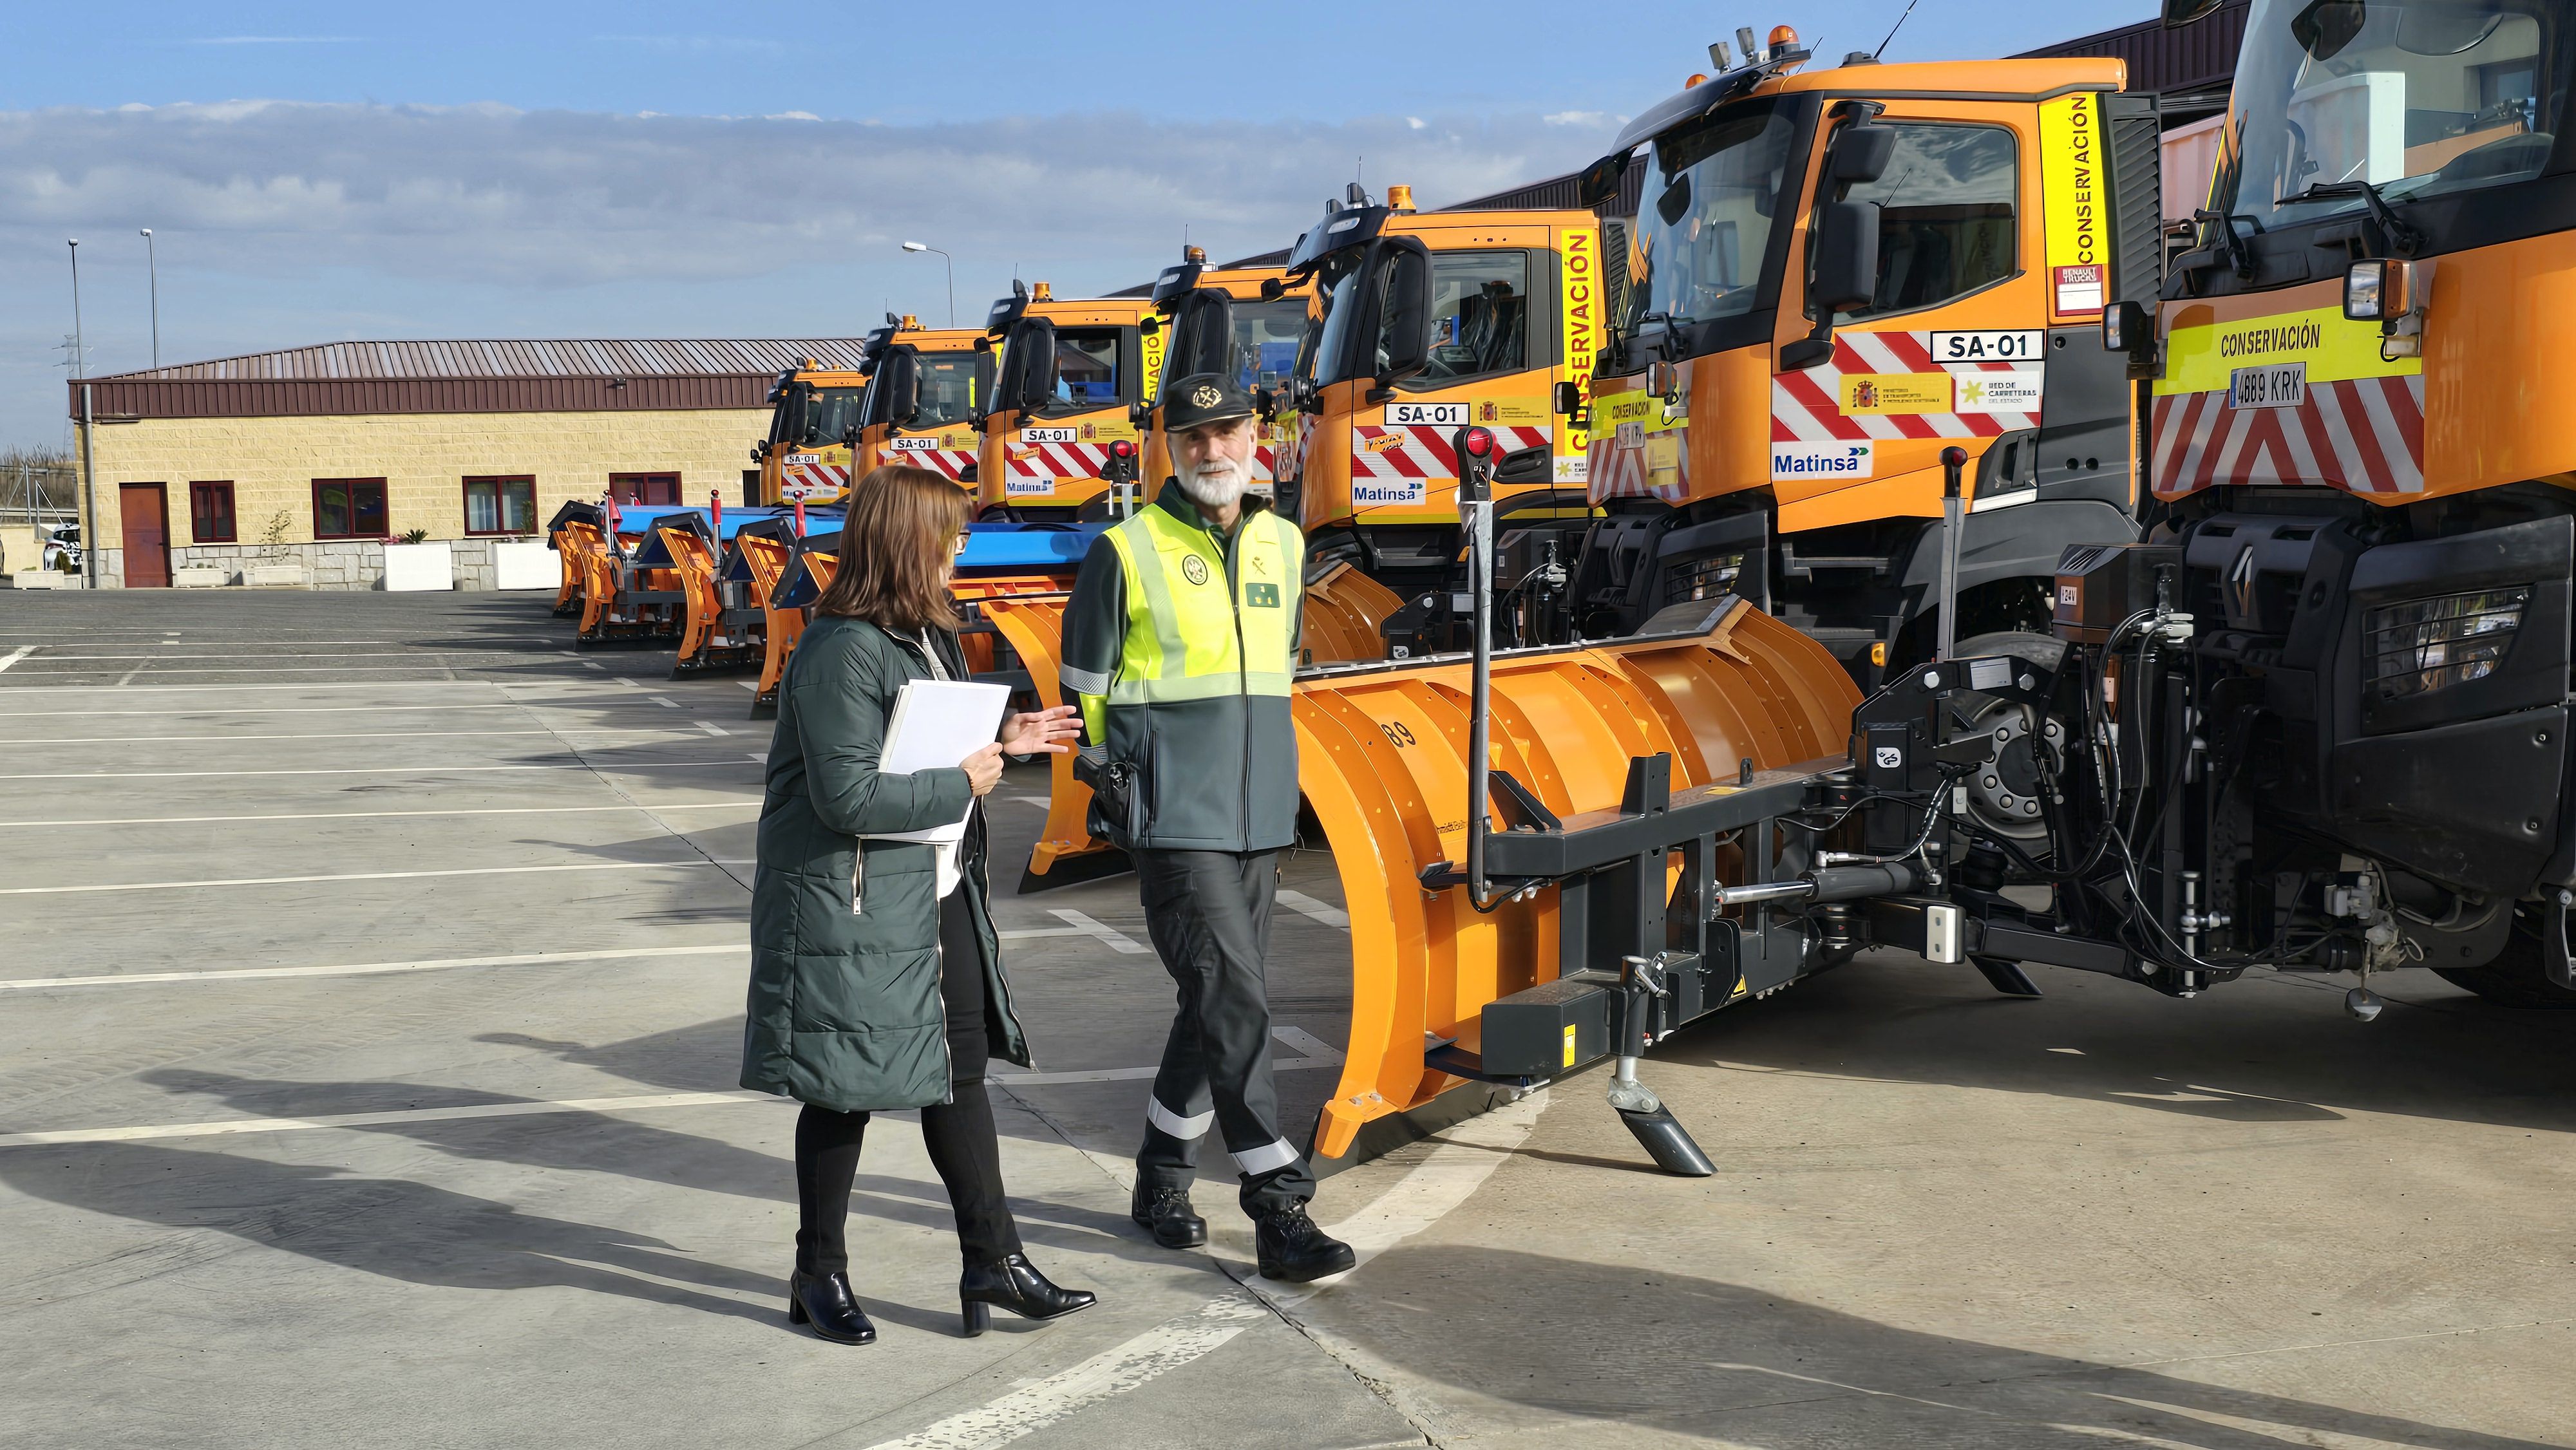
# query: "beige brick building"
320, 456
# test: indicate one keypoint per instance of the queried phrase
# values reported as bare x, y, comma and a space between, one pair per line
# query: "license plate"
2280, 385
1628, 436
913, 445
1426, 415
804, 460
1049, 435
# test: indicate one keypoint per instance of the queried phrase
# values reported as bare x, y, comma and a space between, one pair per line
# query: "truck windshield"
1705, 215
947, 389
1264, 348
816, 419
2419, 98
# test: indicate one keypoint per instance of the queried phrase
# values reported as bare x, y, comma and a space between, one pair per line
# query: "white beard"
1216, 483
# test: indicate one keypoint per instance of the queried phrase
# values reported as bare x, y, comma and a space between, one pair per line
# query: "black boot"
1292, 1248
1016, 1285
1166, 1214
827, 1304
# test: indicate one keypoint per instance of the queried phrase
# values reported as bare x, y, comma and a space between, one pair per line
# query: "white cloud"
1576, 118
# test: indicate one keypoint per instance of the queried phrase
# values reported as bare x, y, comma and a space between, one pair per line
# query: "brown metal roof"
479, 375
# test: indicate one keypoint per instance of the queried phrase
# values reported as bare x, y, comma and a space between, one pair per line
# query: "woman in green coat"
876, 976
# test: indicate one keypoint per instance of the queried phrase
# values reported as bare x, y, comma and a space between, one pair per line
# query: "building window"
501, 505
349, 508
648, 488
210, 513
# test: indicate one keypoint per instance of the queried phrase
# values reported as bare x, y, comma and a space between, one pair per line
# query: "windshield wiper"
2401, 238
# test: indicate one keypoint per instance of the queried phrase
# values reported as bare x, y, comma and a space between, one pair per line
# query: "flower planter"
200, 576
525, 564
274, 576
419, 567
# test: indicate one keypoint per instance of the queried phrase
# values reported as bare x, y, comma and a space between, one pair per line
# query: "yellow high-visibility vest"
1193, 633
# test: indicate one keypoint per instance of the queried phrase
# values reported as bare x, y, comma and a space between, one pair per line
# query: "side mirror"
1861, 153
1569, 398
1151, 324
1846, 268
2129, 328
1272, 289
903, 387
2184, 12
1408, 315
1599, 182
1203, 334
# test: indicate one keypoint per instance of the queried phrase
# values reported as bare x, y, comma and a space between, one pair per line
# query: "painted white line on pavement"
1118, 940
751, 685
666, 702
288, 654
1027, 800
360, 1120
365, 969
734, 804
687, 865
187, 714
1308, 1043
1307, 906
711, 727
356, 735
1141, 1360
254, 669
601, 766
301, 685
523, 959
1468, 1154
16, 655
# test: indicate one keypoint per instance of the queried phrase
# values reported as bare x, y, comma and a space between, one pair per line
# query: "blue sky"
640, 169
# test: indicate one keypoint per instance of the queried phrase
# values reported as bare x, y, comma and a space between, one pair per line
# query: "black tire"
2515, 978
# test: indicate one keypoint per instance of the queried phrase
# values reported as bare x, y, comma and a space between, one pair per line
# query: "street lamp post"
952, 276
89, 454
152, 266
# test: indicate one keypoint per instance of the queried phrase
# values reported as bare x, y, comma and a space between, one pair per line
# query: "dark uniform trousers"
1209, 915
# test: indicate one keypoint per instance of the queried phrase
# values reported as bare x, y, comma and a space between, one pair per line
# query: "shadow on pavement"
386, 1226
1696, 1357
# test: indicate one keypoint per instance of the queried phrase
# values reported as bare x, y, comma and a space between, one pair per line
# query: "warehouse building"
306, 464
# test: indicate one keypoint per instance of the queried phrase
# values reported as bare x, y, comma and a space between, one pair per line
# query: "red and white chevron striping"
2363, 435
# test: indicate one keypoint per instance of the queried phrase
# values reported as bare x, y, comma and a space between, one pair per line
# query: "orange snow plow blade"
1033, 626
1344, 607
1382, 761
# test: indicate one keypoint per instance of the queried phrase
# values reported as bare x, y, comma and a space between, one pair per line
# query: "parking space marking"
361, 1120
666, 702
361, 735
1117, 940
366, 969
249, 669
287, 655
594, 766
711, 727
186, 714
16, 655
1307, 906
690, 865
737, 803
298, 685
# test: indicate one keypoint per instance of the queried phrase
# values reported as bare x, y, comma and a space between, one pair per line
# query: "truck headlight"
2422, 645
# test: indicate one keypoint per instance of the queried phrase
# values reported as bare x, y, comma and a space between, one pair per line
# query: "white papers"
936, 725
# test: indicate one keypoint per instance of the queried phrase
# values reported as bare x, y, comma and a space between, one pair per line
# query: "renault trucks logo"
1820, 460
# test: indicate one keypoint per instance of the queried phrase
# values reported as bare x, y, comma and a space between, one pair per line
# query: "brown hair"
896, 541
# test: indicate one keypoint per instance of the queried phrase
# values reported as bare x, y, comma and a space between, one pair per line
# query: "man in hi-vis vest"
1179, 642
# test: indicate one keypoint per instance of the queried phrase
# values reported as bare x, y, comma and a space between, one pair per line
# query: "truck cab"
919, 407
1066, 375
812, 411
1427, 322
1241, 321
1832, 276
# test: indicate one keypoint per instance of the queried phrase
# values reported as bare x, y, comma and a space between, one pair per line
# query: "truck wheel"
2515, 977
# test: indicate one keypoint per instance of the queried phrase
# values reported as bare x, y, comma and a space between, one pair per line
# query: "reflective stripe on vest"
1183, 622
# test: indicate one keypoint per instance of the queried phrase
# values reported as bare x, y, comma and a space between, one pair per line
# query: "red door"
146, 512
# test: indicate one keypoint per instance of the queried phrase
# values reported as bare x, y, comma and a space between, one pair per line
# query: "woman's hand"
1043, 732
983, 769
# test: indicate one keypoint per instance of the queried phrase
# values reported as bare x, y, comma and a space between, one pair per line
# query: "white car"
62, 547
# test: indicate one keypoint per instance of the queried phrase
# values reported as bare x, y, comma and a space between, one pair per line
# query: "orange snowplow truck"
1831, 277
1066, 374
1240, 321
812, 410
1429, 322
919, 407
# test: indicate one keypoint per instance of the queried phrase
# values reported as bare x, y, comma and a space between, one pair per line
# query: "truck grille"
2422, 645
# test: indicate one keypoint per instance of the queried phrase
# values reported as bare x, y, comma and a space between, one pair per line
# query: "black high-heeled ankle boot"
827, 1304
1016, 1285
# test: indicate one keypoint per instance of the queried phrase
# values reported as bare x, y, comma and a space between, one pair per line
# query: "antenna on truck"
1891, 30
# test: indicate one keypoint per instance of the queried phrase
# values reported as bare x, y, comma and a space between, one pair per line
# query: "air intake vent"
2422, 645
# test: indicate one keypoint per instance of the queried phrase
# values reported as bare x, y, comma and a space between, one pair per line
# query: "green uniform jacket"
1217, 773
844, 1009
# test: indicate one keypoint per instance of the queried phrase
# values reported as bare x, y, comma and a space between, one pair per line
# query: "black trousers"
959, 1133
1209, 915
